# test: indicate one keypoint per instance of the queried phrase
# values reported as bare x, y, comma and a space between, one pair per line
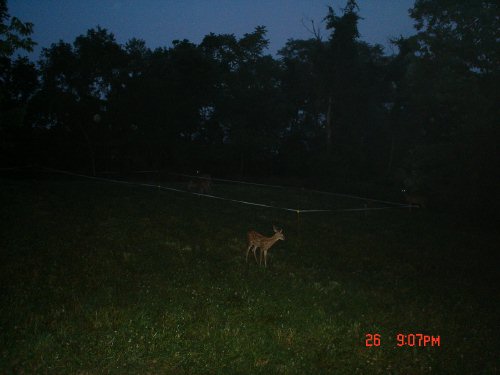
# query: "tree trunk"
391, 154
91, 150
329, 125
242, 165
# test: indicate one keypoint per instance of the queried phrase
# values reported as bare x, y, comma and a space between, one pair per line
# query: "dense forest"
329, 111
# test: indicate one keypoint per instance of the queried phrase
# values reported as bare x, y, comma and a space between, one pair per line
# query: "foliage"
450, 96
334, 112
14, 34
18, 82
461, 32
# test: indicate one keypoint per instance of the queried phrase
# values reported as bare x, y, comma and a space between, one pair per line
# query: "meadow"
103, 278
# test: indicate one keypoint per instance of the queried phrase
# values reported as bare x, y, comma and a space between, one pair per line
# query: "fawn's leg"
248, 250
255, 253
263, 254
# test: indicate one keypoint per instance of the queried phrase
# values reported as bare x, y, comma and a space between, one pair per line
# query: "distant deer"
200, 184
415, 199
257, 240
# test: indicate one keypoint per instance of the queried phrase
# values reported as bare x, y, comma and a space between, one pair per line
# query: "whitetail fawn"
200, 184
257, 240
415, 199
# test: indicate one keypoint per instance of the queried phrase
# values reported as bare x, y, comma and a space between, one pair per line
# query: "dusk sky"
159, 22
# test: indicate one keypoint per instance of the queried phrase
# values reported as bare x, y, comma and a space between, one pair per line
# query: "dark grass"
109, 278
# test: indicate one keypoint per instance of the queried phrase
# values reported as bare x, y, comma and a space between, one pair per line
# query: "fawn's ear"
274, 228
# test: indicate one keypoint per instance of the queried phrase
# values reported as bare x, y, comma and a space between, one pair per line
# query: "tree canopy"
331, 112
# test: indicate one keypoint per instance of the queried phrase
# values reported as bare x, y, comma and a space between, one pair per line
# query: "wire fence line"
231, 181
296, 210
285, 187
158, 186
15, 168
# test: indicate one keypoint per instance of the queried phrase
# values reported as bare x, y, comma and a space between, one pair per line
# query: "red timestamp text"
411, 339
417, 339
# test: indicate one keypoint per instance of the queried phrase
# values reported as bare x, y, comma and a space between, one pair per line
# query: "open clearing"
109, 278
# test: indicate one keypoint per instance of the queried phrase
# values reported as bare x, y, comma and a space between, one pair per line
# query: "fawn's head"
406, 193
279, 233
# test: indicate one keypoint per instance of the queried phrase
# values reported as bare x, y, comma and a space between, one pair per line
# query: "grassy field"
101, 278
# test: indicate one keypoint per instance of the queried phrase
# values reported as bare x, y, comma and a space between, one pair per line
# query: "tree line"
332, 111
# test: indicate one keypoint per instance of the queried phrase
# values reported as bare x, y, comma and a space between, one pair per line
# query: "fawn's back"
415, 199
200, 184
256, 239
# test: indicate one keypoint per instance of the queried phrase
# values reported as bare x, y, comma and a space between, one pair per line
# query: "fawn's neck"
274, 238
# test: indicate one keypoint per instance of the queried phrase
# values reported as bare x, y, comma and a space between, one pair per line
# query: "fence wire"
210, 196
